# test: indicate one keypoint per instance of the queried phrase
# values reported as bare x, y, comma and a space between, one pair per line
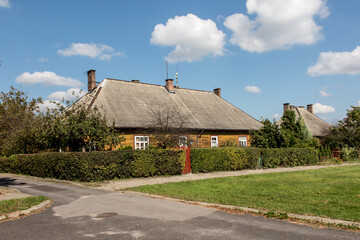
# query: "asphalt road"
81, 213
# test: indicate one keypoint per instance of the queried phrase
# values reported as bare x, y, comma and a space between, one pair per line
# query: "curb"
118, 185
25, 212
252, 210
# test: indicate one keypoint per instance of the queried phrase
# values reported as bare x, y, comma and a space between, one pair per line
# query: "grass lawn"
13, 205
330, 192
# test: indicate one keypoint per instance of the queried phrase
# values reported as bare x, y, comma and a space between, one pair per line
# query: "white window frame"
183, 143
243, 141
141, 142
217, 141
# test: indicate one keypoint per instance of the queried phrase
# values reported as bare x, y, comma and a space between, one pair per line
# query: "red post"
187, 168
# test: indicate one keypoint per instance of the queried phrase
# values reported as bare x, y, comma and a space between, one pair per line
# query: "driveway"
82, 213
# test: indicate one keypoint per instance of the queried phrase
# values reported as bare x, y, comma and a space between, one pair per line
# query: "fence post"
187, 168
260, 162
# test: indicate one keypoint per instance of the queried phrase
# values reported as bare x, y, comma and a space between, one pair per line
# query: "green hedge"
96, 166
223, 159
229, 159
288, 157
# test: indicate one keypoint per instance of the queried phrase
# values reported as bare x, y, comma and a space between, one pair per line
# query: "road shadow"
7, 181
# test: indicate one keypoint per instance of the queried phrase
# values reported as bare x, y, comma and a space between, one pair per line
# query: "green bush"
96, 166
223, 159
348, 154
229, 159
288, 157
325, 153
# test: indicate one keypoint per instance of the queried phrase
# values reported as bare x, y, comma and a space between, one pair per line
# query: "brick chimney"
309, 107
286, 106
170, 85
217, 91
91, 80
135, 81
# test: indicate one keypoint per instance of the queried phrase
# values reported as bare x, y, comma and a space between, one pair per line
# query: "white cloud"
92, 50
46, 104
193, 38
359, 103
46, 78
323, 93
331, 63
253, 89
276, 116
42, 59
70, 94
4, 3
278, 24
323, 109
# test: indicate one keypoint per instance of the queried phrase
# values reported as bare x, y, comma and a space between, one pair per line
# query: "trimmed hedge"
223, 159
288, 157
229, 159
96, 166
99, 166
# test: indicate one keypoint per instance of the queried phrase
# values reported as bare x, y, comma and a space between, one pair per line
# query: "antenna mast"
167, 71
177, 77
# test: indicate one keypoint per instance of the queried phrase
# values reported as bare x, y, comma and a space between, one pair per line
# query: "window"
141, 142
183, 141
214, 141
243, 141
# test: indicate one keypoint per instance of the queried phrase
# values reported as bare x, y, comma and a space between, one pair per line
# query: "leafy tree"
17, 113
347, 132
78, 128
268, 136
290, 129
291, 133
23, 129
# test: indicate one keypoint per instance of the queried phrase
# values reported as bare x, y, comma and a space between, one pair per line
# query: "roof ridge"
157, 85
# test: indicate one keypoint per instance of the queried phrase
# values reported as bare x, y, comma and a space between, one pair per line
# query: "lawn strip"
332, 192
19, 204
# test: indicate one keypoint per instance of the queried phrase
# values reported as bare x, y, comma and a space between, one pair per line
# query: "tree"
78, 128
291, 133
23, 129
17, 114
167, 124
295, 133
266, 137
347, 132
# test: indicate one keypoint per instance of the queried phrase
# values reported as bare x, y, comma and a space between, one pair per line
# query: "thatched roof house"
131, 106
317, 126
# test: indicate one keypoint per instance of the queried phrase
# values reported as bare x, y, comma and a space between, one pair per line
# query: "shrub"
96, 166
223, 159
127, 147
229, 159
348, 154
325, 153
288, 157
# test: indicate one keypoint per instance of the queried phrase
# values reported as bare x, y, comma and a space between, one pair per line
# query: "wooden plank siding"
197, 141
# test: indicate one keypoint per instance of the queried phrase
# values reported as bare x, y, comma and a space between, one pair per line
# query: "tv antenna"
167, 70
177, 76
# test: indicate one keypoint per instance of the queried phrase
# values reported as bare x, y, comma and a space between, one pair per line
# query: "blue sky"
261, 53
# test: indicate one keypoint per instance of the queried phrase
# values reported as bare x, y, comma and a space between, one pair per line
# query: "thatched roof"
132, 105
317, 126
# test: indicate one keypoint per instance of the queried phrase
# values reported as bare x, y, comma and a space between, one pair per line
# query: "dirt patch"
7, 193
